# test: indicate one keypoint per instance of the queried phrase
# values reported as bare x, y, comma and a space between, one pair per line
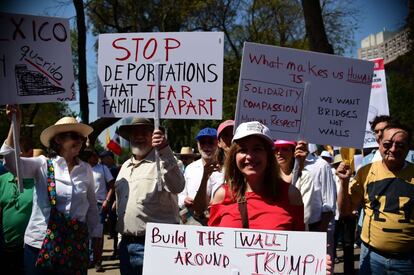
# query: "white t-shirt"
193, 175
102, 175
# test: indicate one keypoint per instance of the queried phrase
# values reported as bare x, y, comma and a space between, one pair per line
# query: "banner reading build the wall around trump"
190, 71
185, 249
35, 59
332, 111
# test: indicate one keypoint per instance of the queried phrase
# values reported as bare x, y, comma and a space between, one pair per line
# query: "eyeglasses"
377, 131
74, 136
207, 142
398, 145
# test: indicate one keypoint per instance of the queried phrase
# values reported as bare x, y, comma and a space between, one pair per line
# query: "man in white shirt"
204, 169
144, 193
103, 192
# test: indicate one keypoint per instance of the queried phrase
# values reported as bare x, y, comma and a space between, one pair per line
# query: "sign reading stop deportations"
189, 66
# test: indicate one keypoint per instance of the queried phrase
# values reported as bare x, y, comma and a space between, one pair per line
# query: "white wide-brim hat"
65, 124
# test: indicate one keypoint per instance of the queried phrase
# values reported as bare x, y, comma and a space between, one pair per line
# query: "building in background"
385, 44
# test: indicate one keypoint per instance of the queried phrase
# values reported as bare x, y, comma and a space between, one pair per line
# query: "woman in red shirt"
253, 186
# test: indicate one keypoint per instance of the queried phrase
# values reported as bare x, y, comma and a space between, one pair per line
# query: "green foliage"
35, 118
274, 22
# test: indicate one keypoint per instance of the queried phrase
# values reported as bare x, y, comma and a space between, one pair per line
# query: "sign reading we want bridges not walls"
190, 71
334, 108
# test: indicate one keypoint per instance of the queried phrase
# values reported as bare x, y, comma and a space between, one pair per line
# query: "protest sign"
378, 103
190, 70
185, 249
35, 59
332, 111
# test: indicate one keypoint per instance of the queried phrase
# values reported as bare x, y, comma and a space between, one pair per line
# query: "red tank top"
262, 213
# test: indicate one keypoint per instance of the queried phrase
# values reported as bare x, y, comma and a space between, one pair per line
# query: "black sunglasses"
73, 136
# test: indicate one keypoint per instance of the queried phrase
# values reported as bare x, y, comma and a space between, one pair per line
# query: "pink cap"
281, 142
224, 125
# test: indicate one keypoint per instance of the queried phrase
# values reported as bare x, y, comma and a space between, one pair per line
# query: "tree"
275, 22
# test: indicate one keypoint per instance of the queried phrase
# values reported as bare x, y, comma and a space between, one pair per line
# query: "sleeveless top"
262, 212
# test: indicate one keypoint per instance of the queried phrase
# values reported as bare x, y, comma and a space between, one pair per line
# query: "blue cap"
207, 132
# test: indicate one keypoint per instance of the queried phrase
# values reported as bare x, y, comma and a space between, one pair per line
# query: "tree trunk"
82, 78
315, 29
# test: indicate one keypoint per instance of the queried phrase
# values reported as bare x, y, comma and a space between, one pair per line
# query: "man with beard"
198, 171
138, 199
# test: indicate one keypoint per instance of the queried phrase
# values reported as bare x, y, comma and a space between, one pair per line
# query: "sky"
374, 16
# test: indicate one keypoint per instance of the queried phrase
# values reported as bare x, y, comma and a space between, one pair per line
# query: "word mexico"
305, 95
187, 66
202, 251
35, 59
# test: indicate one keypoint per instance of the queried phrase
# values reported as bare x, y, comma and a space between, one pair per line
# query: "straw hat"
337, 159
38, 152
186, 151
65, 124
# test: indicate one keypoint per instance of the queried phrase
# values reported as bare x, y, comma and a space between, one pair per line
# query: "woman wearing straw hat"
64, 190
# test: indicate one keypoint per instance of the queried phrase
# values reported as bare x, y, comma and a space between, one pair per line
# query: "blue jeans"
131, 257
373, 263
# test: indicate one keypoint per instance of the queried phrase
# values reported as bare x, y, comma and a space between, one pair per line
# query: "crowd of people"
241, 177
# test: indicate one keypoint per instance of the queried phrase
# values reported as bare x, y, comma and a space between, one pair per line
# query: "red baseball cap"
224, 125
281, 142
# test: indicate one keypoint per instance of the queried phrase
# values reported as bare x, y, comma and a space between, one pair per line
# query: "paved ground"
111, 266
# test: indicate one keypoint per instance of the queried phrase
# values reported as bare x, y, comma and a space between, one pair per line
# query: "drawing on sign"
34, 83
35, 59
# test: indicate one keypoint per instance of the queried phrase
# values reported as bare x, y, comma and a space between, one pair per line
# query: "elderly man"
199, 175
138, 199
385, 189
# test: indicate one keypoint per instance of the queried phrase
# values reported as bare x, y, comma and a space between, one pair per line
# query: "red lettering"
185, 90
168, 47
137, 47
128, 54
155, 46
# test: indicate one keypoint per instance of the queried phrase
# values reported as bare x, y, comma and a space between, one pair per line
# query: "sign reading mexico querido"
189, 66
35, 59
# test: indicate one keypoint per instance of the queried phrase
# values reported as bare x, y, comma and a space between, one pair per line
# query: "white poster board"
35, 59
378, 103
186, 249
272, 88
191, 74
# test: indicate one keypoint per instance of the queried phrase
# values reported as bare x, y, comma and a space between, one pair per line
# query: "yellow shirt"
388, 201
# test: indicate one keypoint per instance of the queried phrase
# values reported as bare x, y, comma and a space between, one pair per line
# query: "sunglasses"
398, 145
207, 142
73, 136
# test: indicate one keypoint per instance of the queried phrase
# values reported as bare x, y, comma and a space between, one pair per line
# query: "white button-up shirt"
75, 193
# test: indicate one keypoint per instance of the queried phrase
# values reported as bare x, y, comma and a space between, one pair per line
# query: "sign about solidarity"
185, 249
35, 59
378, 103
305, 95
188, 65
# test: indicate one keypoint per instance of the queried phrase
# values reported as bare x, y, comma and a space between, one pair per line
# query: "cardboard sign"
378, 103
186, 249
190, 70
332, 111
35, 59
